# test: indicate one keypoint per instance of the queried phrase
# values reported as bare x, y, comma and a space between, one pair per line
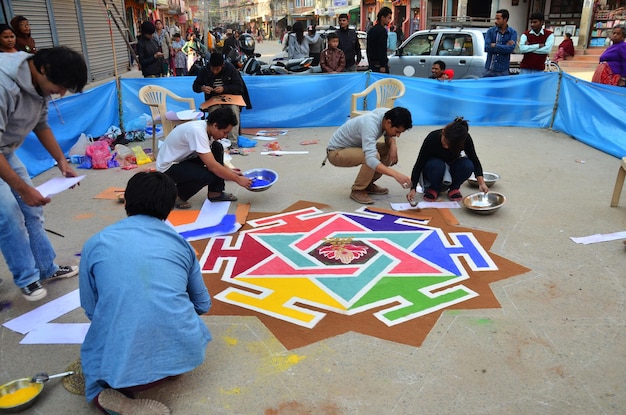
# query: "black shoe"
64, 271
34, 291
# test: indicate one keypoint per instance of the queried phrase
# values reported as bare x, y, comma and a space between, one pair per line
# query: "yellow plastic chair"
619, 183
387, 91
155, 97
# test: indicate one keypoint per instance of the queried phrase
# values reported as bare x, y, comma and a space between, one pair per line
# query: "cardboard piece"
225, 99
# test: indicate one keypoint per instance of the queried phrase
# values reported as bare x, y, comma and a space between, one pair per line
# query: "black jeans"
191, 175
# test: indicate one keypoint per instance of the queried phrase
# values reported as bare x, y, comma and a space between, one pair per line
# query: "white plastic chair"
387, 91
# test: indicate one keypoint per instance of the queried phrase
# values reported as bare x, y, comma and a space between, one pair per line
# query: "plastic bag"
245, 142
80, 147
139, 123
100, 154
125, 155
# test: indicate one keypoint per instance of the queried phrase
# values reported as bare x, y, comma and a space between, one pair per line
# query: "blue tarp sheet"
592, 113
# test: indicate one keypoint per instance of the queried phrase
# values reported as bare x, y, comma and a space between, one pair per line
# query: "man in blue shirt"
499, 44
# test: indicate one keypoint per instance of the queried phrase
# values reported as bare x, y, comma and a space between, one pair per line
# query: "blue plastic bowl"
262, 179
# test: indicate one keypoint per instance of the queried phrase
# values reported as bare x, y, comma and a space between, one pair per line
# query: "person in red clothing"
566, 48
535, 44
25, 41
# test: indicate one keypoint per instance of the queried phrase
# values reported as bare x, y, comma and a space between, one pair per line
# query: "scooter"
287, 67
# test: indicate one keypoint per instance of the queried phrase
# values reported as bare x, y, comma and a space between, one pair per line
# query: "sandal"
455, 195
430, 195
223, 197
182, 204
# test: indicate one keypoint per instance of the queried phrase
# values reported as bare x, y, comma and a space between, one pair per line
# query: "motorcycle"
288, 67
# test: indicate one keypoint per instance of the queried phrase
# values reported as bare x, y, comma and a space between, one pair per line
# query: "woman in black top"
441, 165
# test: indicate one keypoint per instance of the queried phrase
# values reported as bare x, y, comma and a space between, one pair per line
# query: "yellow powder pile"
18, 397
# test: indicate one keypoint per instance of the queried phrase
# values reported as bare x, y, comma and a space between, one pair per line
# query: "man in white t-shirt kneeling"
193, 157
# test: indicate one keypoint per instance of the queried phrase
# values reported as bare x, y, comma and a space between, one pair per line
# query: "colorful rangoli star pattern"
301, 266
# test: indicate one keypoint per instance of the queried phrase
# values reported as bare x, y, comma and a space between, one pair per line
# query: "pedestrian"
535, 44
499, 44
180, 59
445, 161
612, 68
142, 289
356, 143
332, 58
368, 25
377, 42
194, 158
566, 48
392, 40
7, 39
149, 52
298, 42
315, 48
26, 84
165, 42
24, 40
349, 43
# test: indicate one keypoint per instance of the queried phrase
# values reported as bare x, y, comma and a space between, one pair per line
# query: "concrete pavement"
555, 346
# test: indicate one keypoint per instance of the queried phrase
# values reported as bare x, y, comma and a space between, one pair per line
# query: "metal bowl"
484, 203
262, 179
490, 179
19, 387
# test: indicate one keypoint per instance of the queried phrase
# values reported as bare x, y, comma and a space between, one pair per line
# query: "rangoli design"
310, 275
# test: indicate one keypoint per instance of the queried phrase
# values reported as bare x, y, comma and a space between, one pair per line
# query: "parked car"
461, 49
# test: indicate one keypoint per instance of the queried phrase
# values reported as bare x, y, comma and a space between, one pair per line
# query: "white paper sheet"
45, 313
211, 214
57, 185
57, 333
599, 237
426, 205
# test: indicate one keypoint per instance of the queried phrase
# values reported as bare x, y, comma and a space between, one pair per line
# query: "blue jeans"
23, 239
460, 170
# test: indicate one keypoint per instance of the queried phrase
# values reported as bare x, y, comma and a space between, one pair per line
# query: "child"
180, 59
333, 59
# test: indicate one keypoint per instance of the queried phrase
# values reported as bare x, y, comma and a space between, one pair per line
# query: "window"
420, 45
455, 45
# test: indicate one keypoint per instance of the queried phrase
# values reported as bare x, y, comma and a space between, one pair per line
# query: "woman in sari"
612, 68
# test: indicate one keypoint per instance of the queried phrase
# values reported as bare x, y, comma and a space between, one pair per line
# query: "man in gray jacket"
356, 143
26, 84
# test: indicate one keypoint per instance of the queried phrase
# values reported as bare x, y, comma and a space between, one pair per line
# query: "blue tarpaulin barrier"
91, 112
591, 113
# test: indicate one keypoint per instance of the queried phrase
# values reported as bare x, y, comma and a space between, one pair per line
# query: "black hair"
176, 35
147, 28
385, 11
63, 67
568, 35
441, 64
537, 16
223, 117
399, 117
332, 35
150, 193
5, 26
216, 60
455, 134
504, 13
298, 29
343, 16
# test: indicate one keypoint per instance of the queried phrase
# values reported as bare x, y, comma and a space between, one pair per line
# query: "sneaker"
34, 291
114, 401
64, 271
